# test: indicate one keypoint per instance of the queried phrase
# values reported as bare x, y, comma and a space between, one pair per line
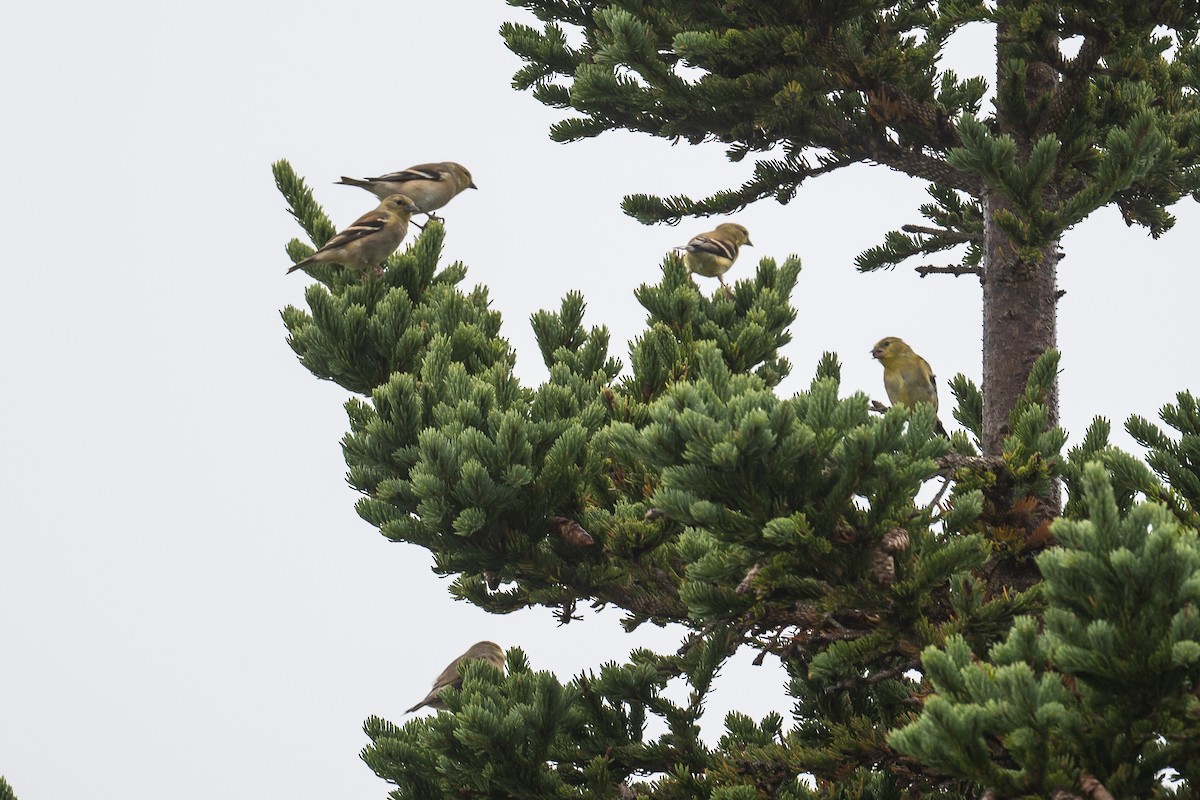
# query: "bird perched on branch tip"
369, 240
430, 186
907, 377
711, 254
488, 651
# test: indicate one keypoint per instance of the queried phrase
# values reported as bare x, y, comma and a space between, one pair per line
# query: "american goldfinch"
369, 240
430, 186
712, 254
906, 376
488, 651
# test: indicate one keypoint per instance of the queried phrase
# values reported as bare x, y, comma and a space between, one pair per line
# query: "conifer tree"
923, 656
1095, 104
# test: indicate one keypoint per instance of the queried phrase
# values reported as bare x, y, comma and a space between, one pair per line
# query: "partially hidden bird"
907, 377
488, 651
711, 254
369, 240
430, 186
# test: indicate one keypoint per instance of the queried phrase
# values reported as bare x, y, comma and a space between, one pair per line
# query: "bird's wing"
365, 225
707, 244
421, 172
449, 674
928, 370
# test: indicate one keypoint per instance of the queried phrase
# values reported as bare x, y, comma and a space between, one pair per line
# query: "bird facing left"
907, 377
369, 240
488, 651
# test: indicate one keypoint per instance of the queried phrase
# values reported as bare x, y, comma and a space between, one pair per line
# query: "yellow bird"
369, 240
906, 376
712, 254
488, 651
430, 186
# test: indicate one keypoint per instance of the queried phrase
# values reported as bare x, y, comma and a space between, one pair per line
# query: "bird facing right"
711, 254
907, 377
369, 240
488, 651
430, 186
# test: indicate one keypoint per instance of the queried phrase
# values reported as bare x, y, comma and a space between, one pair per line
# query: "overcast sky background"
189, 606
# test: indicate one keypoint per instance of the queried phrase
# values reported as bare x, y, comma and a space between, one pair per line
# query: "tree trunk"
1019, 324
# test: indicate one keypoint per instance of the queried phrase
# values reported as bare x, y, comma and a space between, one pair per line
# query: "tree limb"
943, 233
952, 269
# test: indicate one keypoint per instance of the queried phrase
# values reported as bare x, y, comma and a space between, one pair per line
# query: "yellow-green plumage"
369, 240
907, 377
429, 186
712, 254
487, 651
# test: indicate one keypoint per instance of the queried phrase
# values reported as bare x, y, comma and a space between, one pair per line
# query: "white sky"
189, 606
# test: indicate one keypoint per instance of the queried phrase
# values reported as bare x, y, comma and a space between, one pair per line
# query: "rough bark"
1019, 324
1020, 292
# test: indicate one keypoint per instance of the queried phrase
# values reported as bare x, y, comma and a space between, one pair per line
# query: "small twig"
943, 233
952, 269
937, 498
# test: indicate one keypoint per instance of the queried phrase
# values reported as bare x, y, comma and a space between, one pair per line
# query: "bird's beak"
876, 352
749, 243
413, 208
472, 185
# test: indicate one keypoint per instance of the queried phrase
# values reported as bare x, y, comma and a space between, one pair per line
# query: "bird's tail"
354, 182
940, 429
298, 265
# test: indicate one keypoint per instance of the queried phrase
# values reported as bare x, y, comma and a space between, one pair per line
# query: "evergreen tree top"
1094, 103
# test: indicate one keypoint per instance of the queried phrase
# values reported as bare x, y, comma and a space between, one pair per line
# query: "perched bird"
488, 651
712, 254
430, 186
369, 240
906, 376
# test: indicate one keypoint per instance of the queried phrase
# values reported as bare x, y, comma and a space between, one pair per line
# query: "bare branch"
951, 269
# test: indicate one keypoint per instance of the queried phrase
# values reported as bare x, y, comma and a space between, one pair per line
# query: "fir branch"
944, 233
770, 179
874, 678
894, 105
881, 150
